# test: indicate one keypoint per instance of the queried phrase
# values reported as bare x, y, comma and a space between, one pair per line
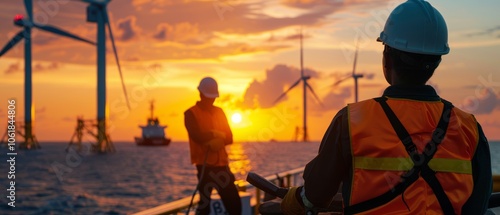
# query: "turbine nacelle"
20, 20
358, 75
18, 17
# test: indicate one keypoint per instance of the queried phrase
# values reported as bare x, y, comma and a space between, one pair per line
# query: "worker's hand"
290, 205
216, 144
218, 134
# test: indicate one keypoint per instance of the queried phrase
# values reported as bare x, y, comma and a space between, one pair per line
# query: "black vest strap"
420, 163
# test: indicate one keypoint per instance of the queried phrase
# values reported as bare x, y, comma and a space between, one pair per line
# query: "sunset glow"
251, 48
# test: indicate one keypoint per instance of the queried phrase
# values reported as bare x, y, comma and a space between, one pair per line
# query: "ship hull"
158, 141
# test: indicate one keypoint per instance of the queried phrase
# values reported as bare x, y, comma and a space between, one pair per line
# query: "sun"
236, 118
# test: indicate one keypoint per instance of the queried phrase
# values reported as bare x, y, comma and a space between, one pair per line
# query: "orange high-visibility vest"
216, 119
380, 158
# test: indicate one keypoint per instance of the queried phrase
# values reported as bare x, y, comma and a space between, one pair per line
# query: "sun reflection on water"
239, 163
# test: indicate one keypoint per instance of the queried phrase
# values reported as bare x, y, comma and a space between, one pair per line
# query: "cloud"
183, 32
292, 37
263, 93
334, 100
484, 103
39, 67
312, 3
128, 29
190, 29
12, 68
494, 31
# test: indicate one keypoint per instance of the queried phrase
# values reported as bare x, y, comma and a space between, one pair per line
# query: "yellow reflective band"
405, 164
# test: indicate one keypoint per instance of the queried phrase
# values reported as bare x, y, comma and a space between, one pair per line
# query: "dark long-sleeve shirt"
333, 164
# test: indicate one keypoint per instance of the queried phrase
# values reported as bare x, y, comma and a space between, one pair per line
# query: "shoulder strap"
420, 163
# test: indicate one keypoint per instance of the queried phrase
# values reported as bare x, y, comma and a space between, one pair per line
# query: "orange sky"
250, 47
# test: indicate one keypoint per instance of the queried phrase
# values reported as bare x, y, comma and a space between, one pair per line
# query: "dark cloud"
133, 58
484, 103
313, 3
12, 68
39, 67
263, 93
36, 67
293, 37
184, 32
128, 28
494, 31
155, 66
338, 4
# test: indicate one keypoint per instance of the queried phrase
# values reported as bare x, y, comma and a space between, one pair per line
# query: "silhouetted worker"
409, 151
209, 132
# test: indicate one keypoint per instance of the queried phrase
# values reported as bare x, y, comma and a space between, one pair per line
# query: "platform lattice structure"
89, 126
29, 143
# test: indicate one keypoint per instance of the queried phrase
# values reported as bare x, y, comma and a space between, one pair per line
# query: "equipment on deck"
268, 187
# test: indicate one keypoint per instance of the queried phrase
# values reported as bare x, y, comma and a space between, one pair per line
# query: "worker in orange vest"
409, 151
209, 133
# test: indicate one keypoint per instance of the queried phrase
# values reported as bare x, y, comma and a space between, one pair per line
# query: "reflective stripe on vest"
379, 157
405, 164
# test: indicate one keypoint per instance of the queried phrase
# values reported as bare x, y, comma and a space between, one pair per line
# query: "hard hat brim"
211, 95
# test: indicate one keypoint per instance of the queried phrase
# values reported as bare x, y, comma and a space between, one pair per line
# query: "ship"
153, 134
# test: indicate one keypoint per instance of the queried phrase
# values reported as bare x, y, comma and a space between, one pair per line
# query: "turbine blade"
340, 81
19, 36
314, 94
355, 60
28, 4
290, 88
301, 54
102, 2
61, 32
116, 57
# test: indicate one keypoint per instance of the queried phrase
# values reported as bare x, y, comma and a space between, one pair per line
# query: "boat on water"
153, 134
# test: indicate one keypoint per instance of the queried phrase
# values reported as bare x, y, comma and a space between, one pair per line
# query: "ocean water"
53, 181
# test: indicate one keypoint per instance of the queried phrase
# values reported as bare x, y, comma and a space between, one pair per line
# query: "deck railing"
291, 178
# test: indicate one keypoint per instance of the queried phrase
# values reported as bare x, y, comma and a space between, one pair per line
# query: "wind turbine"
303, 78
354, 75
97, 12
27, 23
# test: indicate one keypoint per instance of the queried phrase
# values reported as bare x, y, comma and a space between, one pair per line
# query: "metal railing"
291, 178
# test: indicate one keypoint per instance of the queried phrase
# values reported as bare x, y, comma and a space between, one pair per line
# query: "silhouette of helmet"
208, 86
416, 27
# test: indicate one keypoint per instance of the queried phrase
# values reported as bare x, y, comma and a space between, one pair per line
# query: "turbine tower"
354, 75
97, 12
303, 78
27, 23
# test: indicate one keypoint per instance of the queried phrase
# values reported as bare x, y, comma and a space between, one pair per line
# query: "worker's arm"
322, 175
481, 174
227, 130
193, 129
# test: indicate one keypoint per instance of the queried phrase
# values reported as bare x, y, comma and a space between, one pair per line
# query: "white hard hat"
208, 86
416, 27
